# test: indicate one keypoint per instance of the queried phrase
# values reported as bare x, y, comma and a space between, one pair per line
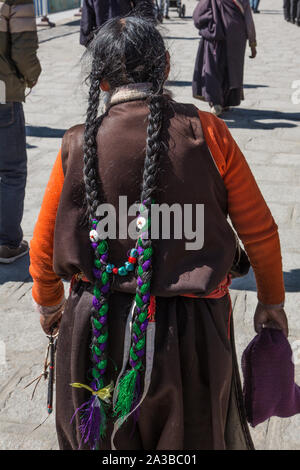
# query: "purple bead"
97, 273
140, 353
146, 265
96, 303
140, 250
104, 257
144, 325
103, 319
95, 358
102, 346
94, 245
139, 281
105, 288
96, 332
102, 371
146, 298
135, 338
138, 310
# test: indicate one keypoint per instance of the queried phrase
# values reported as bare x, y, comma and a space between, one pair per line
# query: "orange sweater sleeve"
48, 288
247, 210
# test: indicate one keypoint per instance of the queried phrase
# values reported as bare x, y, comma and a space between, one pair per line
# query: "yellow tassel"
104, 393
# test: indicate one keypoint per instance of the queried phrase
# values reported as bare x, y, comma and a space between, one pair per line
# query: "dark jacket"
97, 12
19, 65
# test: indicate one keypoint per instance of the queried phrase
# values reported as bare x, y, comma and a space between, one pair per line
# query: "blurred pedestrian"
224, 27
20, 68
295, 12
254, 5
287, 10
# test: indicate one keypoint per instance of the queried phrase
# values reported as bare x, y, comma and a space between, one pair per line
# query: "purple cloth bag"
269, 378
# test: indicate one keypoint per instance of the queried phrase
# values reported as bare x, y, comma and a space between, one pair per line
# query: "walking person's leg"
166, 9
298, 13
293, 10
287, 10
13, 174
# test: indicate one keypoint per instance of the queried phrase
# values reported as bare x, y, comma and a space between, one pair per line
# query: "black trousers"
295, 11
287, 9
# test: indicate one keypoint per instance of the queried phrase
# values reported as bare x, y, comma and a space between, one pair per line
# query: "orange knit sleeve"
247, 210
48, 288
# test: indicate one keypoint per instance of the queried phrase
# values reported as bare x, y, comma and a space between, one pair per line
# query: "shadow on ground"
42, 131
15, 272
252, 119
247, 283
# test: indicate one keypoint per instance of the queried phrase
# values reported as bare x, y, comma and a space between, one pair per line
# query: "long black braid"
124, 51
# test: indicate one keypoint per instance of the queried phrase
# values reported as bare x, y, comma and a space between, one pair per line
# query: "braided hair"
124, 51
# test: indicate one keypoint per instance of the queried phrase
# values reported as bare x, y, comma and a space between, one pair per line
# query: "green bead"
105, 278
97, 292
140, 271
97, 263
104, 309
140, 344
96, 350
140, 243
97, 324
103, 247
136, 329
102, 364
147, 253
139, 301
103, 338
133, 356
145, 288
142, 316
96, 373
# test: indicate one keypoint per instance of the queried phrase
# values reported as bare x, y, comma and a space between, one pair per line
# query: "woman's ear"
168, 66
104, 85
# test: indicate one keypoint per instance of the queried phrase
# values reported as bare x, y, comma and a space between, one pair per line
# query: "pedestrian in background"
295, 12
254, 5
19, 68
287, 10
224, 27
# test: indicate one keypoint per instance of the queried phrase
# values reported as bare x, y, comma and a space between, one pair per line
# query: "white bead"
94, 237
141, 222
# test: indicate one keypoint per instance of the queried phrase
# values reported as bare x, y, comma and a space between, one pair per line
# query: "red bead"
132, 260
115, 270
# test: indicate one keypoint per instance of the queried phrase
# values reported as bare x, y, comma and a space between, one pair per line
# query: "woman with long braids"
146, 356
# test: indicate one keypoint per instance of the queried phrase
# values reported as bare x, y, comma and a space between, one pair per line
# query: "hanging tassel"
128, 393
93, 417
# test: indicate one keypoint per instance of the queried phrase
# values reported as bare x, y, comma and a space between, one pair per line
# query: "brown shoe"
9, 255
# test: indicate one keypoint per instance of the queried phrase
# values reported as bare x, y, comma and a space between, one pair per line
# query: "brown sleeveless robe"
195, 399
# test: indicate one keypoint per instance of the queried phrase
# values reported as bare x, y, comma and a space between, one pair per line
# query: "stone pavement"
266, 127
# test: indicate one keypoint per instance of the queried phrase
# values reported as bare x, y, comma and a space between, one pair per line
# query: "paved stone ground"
266, 128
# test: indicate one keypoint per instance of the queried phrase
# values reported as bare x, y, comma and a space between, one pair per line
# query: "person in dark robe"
224, 27
146, 354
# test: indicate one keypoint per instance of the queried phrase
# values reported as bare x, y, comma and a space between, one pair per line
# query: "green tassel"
126, 390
